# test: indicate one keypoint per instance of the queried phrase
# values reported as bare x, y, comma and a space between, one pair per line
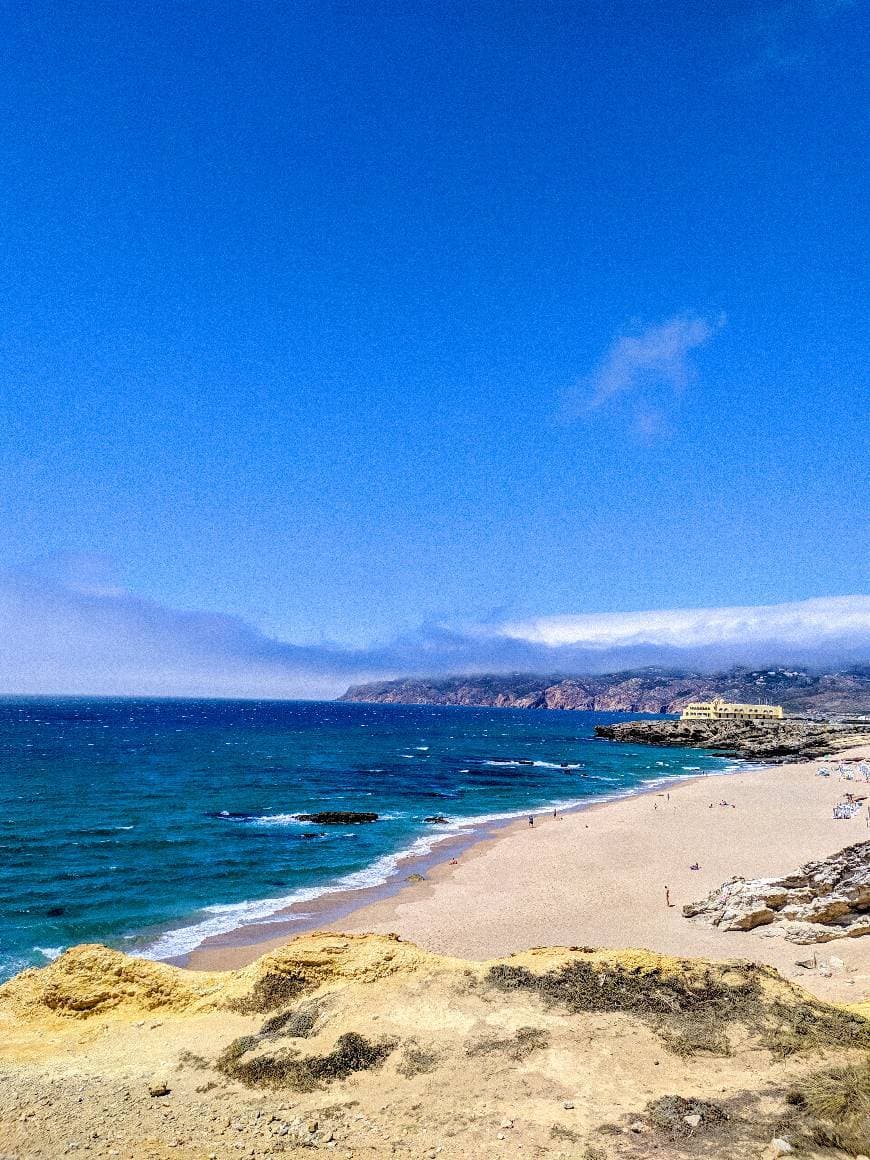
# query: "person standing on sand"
531, 820
668, 896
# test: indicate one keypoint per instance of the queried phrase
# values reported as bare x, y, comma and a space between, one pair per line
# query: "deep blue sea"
150, 824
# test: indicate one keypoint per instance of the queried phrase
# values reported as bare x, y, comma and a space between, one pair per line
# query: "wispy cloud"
658, 356
95, 638
641, 373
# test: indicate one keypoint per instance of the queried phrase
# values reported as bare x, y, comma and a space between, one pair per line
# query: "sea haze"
150, 824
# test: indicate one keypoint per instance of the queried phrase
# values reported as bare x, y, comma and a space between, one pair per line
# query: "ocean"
151, 824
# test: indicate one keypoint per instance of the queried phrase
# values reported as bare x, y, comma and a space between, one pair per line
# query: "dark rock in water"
314, 835
437, 819
55, 911
772, 741
338, 818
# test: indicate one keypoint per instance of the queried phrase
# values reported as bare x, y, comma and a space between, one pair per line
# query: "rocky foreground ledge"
371, 1048
769, 741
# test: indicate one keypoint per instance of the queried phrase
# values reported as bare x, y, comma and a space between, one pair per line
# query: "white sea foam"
223, 918
277, 820
51, 953
540, 764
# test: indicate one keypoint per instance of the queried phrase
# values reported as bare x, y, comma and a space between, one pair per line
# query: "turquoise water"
150, 824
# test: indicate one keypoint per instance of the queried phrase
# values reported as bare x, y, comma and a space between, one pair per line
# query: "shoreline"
596, 876
332, 902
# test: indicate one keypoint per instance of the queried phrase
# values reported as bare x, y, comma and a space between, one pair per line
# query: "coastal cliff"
770, 741
635, 691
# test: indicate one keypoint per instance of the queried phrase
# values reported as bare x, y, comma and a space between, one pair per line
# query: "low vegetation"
668, 1113
835, 1107
416, 1060
691, 1011
516, 1047
352, 1053
297, 1024
271, 991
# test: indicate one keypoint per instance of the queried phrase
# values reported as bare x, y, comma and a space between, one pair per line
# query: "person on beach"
531, 820
668, 896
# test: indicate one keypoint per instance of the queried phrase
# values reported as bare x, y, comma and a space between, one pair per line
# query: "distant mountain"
637, 691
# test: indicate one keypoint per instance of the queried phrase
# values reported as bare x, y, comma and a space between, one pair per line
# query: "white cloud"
806, 623
658, 356
85, 636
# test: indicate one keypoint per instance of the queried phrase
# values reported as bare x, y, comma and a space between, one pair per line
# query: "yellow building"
719, 710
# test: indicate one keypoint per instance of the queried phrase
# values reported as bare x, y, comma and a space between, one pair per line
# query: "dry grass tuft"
298, 1024
836, 1104
582, 986
789, 1028
694, 1033
352, 1053
560, 1132
517, 1047
416, 1061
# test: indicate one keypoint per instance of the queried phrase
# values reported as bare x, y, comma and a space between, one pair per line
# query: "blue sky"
347, 320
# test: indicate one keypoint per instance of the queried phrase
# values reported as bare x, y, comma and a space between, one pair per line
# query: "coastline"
596, 876
321, 907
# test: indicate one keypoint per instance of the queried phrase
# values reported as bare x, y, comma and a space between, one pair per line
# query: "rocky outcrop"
822, 901
649, 690
770, 741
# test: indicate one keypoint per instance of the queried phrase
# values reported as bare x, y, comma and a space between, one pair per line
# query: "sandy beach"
460, 1057
597, 877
